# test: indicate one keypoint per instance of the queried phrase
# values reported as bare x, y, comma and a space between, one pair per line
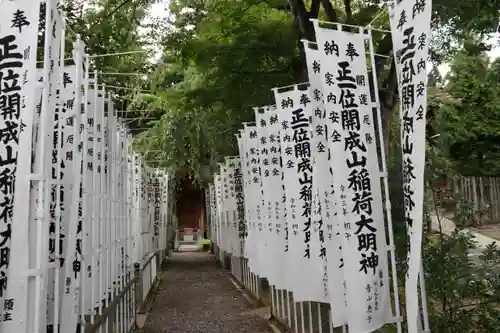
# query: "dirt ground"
196, 296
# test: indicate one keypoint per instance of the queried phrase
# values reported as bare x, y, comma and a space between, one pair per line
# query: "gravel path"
196, 296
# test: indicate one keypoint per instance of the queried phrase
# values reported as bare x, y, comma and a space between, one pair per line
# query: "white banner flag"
240, 207
330, 249
248, 185
232, 164
218, 198
357, 178
18, 45
266, 222
275, 195
213, 214
250, 140
76, 135
224, 205
294, 112
55, 278
410, 30
243, 229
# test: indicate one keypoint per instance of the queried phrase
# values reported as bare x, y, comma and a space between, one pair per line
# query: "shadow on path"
196, 296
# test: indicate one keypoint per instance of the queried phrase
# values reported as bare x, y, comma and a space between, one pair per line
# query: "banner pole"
60, 252
95, 200
86, 193
423, 299
44, 182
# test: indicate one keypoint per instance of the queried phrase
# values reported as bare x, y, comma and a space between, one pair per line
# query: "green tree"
111, 26
213, 63
469, 129
221, 57
462, 290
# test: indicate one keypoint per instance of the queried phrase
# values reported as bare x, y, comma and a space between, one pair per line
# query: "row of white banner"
306, 200
79, 206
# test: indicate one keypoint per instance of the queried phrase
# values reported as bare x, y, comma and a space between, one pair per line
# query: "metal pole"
423, 299
60, 254
102, 203
96, 199
44, 183
86, 193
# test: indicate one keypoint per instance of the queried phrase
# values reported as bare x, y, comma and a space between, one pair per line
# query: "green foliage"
225, 64
461, 280
468, 215
106, 27
470, 129
462, 290
222, 57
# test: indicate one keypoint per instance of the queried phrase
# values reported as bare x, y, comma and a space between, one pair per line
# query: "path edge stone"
274, 324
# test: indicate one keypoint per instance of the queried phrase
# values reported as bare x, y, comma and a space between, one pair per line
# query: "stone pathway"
448, 227
482, 239
196, 296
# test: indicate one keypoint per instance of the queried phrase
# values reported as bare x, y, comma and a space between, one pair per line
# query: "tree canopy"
220, 58
470, 129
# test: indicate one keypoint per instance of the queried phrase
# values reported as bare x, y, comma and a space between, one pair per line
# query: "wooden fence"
481, 194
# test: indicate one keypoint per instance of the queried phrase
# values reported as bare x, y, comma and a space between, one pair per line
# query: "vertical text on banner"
275, 196
410, 30
294, 113
357, 178
265, 222
18, 45
329, 249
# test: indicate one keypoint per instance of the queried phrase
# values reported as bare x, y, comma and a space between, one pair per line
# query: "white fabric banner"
52, 155
294, 112
225, 206
232, 222
93, 191
265, 224
136, 188
213, 212
245, 182
357, 178
73, 269
410, 30
254, 233
240, 207
88, 191
18, 42
249, 200
275, 195
55, 278
220, 184
218, 196
226, 198
325, 216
